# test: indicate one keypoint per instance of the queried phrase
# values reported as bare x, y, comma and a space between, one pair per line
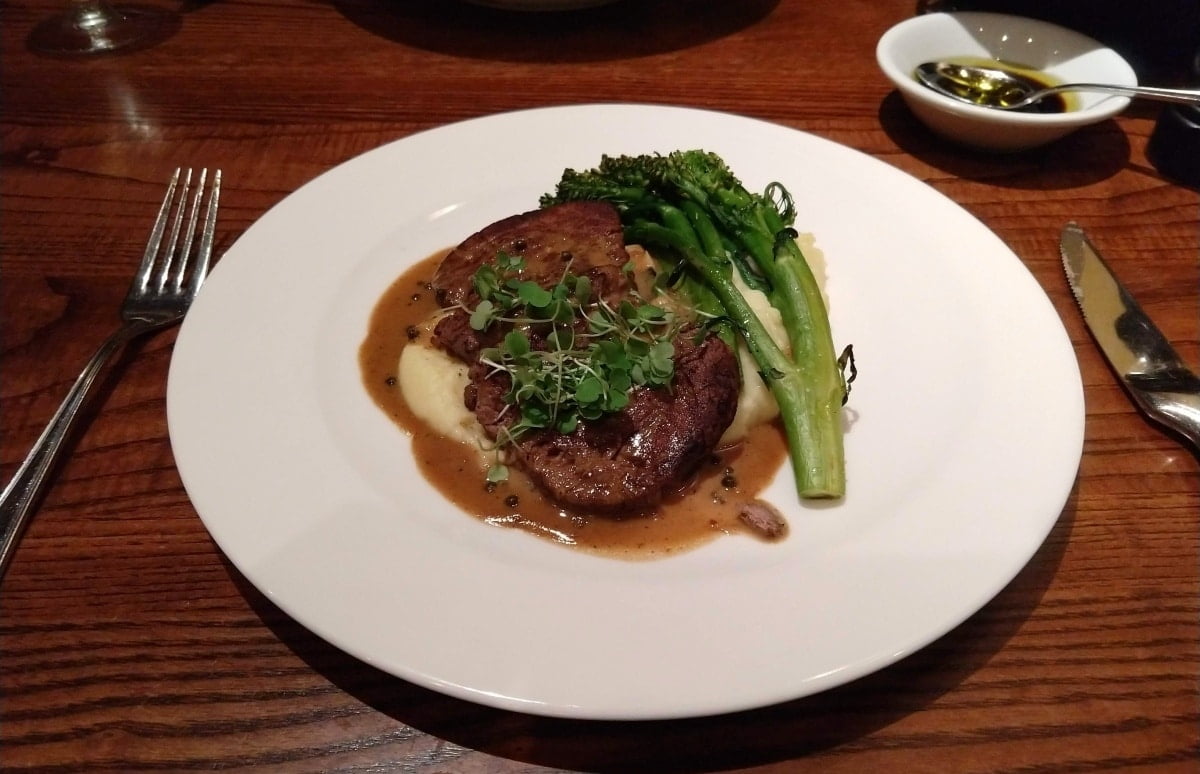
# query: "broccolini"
692, 204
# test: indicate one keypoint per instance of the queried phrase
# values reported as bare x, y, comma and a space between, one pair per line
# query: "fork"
161, 292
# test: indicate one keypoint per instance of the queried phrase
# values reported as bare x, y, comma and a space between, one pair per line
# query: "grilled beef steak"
586, 234
625, 461
629, 460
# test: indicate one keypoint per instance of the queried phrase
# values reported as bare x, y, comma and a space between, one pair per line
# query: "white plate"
966, 430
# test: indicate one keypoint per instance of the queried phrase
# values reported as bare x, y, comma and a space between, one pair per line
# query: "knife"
1144, 361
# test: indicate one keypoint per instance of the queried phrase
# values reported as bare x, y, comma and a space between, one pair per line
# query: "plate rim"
613, 709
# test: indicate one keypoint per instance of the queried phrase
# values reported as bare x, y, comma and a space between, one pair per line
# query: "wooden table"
129, 642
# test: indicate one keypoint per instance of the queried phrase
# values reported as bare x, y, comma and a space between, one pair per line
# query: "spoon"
996, 88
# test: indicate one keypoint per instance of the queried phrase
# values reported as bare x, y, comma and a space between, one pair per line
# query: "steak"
630, 460
623, 462
588, 235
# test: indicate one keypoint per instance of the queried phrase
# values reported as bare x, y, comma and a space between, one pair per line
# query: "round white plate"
965, 431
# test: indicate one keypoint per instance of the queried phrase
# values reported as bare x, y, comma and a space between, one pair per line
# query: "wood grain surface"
128, 642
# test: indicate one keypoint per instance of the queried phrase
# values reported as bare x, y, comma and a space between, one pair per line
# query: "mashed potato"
756, 405
432, 381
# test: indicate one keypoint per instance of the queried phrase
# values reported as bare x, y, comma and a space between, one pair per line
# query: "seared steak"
626, 461
630, 460
588, 235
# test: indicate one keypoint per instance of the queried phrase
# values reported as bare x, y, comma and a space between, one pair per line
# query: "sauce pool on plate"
709, 506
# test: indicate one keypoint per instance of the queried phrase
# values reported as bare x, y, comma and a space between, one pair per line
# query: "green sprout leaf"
533, 294
589, 390
482, 317
516, 344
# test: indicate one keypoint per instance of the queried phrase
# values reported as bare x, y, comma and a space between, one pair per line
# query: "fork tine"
156, 234
180, 256
160, 280
206, 236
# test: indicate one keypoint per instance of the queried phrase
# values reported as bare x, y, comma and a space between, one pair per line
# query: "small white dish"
1063, 55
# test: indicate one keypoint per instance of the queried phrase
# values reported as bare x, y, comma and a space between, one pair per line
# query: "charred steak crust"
624, 462
587, 234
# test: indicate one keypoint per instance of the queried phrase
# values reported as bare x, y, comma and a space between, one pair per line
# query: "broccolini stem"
704, 301
797, 295
811, 421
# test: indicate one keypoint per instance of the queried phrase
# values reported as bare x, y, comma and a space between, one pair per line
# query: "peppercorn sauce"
707, 507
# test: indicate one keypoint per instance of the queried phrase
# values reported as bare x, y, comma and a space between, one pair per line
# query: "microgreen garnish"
570, 356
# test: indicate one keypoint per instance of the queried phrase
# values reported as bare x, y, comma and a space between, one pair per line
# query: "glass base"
94, 28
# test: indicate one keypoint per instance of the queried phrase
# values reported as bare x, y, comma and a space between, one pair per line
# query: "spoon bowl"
1055, 54
1000, 88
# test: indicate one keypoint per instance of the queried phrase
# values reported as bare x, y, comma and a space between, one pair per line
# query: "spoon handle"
1180, 96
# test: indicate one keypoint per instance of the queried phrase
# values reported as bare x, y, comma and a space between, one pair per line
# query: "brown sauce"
708, 507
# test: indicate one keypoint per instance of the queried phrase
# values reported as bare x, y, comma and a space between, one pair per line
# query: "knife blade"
1145, 363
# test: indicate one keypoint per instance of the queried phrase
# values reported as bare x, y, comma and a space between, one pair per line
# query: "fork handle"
26, 487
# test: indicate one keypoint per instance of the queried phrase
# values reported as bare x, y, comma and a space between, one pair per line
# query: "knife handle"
1177, 411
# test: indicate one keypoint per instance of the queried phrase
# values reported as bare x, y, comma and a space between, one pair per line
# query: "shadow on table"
1087, 156
776, 733
628, 28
